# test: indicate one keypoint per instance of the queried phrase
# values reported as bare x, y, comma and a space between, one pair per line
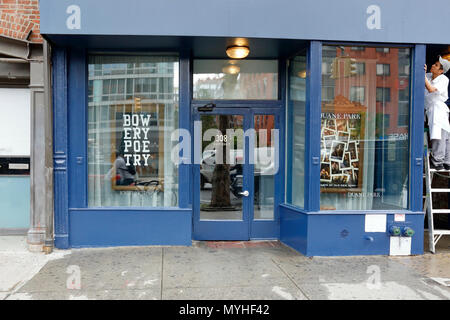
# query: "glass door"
238, 180
221, 174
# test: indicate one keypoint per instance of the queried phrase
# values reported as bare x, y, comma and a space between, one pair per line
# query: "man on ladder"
436, 94
437, 112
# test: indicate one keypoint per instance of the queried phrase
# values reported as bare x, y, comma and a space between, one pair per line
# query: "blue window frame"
313, 111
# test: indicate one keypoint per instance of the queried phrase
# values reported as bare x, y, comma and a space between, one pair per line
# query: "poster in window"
136, 147
342, 145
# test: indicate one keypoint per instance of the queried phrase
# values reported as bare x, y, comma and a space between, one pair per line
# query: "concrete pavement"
217, 270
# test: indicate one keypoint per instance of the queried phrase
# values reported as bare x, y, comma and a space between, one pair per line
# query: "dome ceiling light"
238, 52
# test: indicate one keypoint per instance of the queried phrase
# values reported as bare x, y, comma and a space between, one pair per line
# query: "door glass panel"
221, 169
265, 167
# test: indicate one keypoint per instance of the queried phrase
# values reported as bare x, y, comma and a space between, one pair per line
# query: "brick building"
24, 141
20, 20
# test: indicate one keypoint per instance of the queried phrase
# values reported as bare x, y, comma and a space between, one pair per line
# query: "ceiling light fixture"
302, 74
446, 56
231, 69
238, 52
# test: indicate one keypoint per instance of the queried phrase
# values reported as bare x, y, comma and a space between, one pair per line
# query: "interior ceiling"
201, 47
433, 51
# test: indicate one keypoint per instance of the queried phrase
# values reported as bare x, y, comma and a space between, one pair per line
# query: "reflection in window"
265, 167
364, 149
360, 68
132, 112
295, 144
383, 69
222, 167
383, 94
358, 94
233, 79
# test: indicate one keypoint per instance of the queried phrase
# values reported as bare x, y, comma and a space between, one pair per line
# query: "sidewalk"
216, 270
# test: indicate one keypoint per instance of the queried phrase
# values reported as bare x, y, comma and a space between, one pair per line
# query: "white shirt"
437, 110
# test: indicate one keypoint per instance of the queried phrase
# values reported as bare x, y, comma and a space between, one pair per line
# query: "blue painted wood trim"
281, 123
294, 227
237, 104
350, 212
289, 114
223, 229
416, 128
270, 229
60, 147
185, 171
77, 112
312, 133
95, 228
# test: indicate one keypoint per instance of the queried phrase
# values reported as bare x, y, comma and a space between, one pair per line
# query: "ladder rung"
443, 232
440, 190
440, 211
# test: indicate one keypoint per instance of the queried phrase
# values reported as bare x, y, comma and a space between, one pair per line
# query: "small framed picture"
343, 136
335, 168
341, 125
345, 164
353, 149
328, 140
337, 151
340, 179
325, 172
355, 175
331, 124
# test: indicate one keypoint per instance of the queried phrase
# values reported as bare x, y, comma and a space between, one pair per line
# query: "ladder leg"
429, 198
430, 231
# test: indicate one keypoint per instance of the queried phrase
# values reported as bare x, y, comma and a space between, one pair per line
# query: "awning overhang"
399, 21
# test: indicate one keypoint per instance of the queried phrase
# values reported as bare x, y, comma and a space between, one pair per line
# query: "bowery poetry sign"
136, 139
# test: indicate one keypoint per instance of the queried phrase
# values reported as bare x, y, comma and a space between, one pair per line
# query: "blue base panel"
106, 228
343, 234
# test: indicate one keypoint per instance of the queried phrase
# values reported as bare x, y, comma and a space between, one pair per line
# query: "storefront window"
133, 111
236, 79
364, 137
295, 144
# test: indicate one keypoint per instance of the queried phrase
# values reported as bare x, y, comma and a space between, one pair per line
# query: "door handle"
244, 193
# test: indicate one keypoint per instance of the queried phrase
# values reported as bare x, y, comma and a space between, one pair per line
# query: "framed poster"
342, 145
137, 147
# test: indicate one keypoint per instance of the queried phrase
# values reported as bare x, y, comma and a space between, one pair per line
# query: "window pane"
231, 79
265, 167
365, 145
295, 144
129, 137
383, 94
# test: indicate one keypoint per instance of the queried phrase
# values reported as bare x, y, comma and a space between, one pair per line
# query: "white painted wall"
14, 122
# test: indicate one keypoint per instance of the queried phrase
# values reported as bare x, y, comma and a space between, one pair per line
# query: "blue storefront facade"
329, 101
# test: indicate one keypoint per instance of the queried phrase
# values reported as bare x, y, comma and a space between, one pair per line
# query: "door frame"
221, 229
236, 229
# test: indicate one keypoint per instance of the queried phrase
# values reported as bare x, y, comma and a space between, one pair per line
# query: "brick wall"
19, 19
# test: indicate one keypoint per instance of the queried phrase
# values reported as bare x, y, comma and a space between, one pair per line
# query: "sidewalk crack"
290, 278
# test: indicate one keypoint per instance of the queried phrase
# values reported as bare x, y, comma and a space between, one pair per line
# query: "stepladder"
434, 235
